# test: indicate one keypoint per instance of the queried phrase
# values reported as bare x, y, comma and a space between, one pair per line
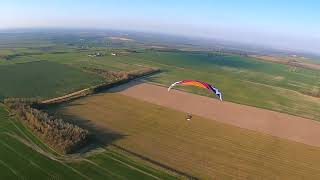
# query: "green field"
43, 79
23, 156
242, 80
203, 148
207, 149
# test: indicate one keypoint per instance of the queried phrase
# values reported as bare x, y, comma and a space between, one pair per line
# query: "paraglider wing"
198, 84
174, 84
217, 92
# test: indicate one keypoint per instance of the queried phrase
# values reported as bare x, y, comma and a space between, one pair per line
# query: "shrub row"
112, 76
113, 79
61, 135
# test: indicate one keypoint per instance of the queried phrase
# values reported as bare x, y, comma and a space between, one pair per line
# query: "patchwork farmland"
205, 148
24, 156
145, 139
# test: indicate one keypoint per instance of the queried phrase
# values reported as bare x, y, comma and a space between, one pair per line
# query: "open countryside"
204, 147
23, 155
114, 131
161, 90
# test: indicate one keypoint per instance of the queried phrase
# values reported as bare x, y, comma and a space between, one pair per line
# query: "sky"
282, 24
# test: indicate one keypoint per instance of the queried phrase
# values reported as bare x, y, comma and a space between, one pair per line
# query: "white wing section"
172, 85
218, 93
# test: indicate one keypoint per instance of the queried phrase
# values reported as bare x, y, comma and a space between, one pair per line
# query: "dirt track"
278, 124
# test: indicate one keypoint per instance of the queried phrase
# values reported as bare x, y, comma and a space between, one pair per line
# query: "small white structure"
113, 54
189, 117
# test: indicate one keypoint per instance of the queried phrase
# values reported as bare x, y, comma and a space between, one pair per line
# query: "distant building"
113, 54
95, 54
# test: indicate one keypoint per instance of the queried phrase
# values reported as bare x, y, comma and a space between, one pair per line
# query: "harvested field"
274, 123
202, 147
225, 71
24, 156
291, 61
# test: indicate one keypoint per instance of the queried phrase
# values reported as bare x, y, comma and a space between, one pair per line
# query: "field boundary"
246, 104
92, 90
274, 123
166, 167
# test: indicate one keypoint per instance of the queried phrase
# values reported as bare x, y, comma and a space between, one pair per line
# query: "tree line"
62, 136
112, 76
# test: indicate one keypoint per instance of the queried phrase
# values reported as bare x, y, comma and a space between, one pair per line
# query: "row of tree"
112, 76
61, 135
112, 79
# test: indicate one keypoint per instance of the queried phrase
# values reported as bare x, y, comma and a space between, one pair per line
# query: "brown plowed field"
202, 147
274, 123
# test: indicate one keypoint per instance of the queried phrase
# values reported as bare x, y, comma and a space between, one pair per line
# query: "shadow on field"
123, 87
99, 136
1, 98
130, 84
